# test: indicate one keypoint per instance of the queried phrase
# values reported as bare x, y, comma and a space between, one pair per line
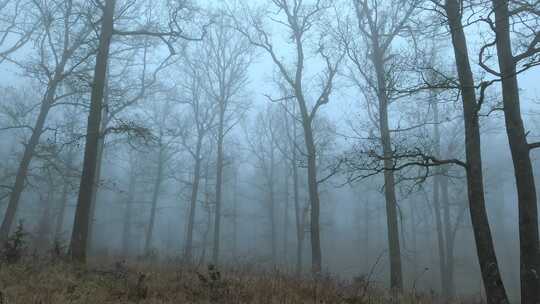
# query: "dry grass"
38, 282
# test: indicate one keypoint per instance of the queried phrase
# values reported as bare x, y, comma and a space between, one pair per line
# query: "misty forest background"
387, 139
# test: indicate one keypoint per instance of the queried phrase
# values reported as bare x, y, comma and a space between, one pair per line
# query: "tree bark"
272, 208
208, 209
298, 214
449, 239
440, 235
396, 277
44, 228
61, 212
493, 284
99, 163
155, 196
313, 185
437, 185
286, 219
188, 253
519, 148
79, 238
219, 184
311, 151
235, 215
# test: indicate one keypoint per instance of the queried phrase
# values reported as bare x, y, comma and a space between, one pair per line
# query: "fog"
288, 135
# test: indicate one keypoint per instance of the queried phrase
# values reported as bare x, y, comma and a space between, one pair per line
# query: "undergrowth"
50, 278
60, 282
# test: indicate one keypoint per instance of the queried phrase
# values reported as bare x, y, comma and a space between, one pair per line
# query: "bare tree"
453, 11
18, 23
127, 85
63, 155
290, 148
225, 57
160, 114
79, 237
508, 17
263, 145
300, 20
379, 25
152, 28
129, 201
202, 117
61, 48
442, 147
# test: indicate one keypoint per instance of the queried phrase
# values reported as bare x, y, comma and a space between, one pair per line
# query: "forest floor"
41, 281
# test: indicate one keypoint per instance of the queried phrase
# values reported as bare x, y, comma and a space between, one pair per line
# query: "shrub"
15, 247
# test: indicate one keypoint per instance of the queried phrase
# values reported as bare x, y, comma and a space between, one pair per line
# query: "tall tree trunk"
28, 154
155, 196
396, 277
493, 284
449, 240
519, 148
44, 228
99, 164
437, 202
126, 229
298, 214
414, 239
313, 185
64, 198
367, 247
286, 220
440, 235
208, 209
235, 215
61, 212
219, 184
79, 238
272, 208
188, 253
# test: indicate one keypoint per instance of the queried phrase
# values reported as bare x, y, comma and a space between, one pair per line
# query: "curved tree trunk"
28, 154
489, 266
22, 172
519, 148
